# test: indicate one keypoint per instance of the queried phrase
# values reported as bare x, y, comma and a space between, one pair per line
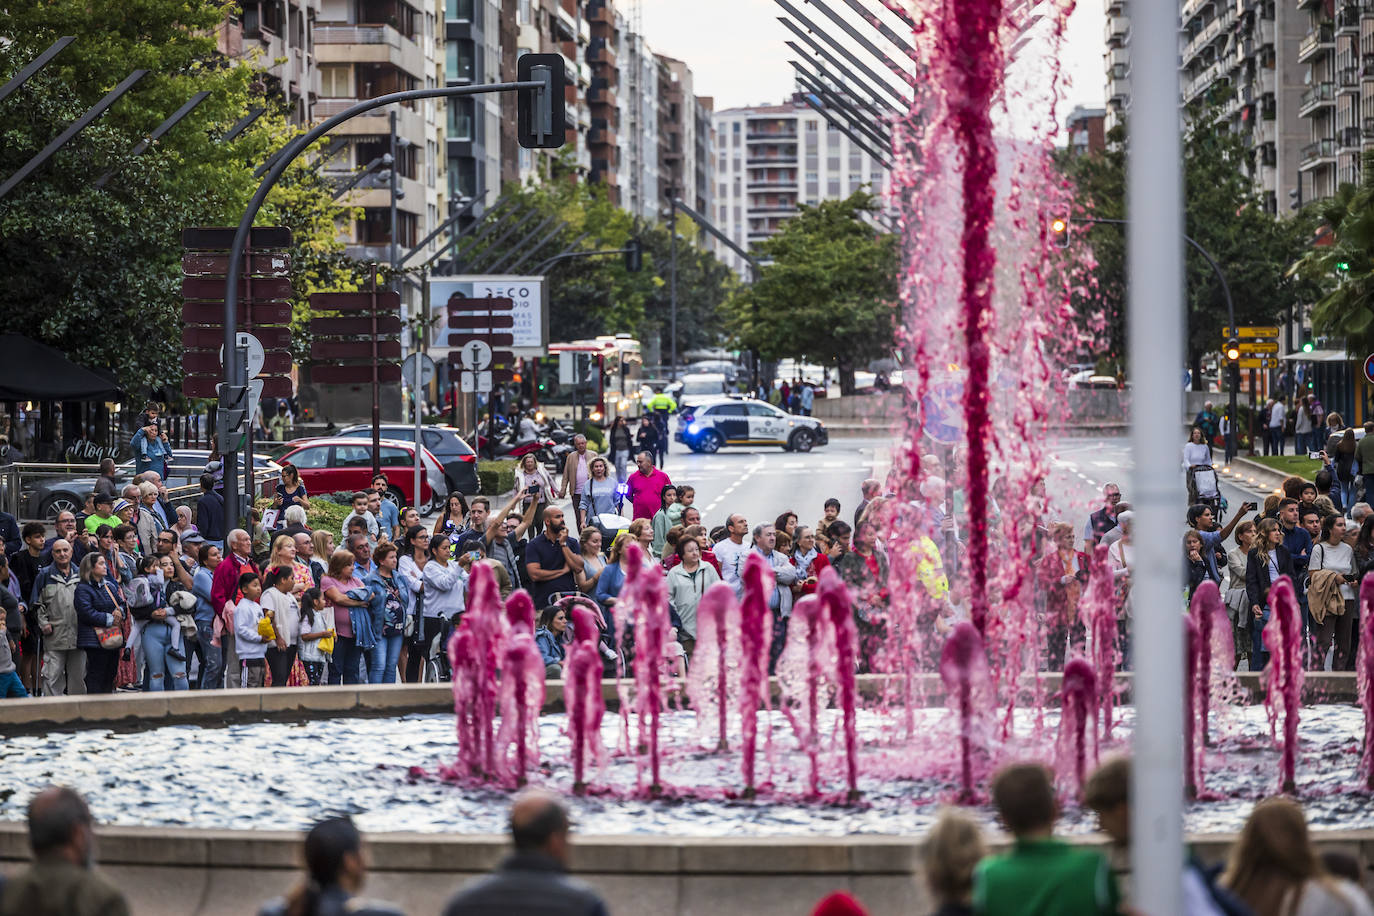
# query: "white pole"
1155, 330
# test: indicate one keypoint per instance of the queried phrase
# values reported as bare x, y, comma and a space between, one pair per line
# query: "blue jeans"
382, 659
11, 688
212, 671
157, 638
346, 667
1259, 656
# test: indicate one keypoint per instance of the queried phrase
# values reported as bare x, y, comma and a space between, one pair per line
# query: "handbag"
111, 637
415, 628
325, 645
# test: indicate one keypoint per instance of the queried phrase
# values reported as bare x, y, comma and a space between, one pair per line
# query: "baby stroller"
1204, 490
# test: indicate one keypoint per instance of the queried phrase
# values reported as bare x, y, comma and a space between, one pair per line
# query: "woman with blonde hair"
953, 848
1275, 870
284, 554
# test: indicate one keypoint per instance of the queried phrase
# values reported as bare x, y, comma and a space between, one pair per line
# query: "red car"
343, 463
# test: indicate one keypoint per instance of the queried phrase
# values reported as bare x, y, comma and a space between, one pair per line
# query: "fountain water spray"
963, 664
1190, 666
1283, 678
1078, 693
1098, 610
521, 691
1365, 676
756, 621
644, 599
715, 662
582, 694
835, 597
802, 671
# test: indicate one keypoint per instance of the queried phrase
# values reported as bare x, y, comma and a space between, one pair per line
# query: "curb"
1255, 474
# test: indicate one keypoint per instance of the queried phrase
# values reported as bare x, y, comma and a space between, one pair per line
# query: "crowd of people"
1272, 869
1319, 533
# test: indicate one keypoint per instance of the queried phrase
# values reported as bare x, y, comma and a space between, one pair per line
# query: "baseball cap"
121, 505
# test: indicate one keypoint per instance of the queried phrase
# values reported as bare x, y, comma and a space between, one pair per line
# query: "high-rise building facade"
686, 143
603, 138
278, 37
1244, 54
1337, 106
771, 158
637, 163
1117, 58
367, 48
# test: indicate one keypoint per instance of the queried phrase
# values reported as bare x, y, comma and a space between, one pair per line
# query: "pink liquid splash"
521, 692
1215, 652
1283, 677
582, 694
715, 664
756, 624
1191, 651
1098, 610
1364, 665
835, 597
962, 664
1078, 699
644, 601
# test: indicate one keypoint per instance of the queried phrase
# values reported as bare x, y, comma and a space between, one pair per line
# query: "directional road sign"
1257, 363
252, 350
1245, 330
1259, 346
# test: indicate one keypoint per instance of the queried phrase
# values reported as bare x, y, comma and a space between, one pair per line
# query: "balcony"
600, 51
763, 134
1348, 19
1349, 138
1319, 153
1266, 32
1348, 79
1116, 31
368, 44
1318, 41
409, 123
1321, 95
599, 12
1369, 128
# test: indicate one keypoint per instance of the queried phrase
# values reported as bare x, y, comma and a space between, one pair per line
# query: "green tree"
1344, 269
1222, 213
830, 294
95, 271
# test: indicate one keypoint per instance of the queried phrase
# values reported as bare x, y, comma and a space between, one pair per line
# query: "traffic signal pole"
1234, 380
233, 370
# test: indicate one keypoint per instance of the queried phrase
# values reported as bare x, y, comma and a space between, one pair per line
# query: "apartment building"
686, 142
1117, 38
637, 156
276, 35
1337, 105
603, 96
769, 159
1086, 130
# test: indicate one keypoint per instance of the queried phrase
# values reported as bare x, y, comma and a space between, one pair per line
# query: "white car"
716, 422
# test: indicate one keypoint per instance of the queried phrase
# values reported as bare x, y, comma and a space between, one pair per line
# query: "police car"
720, 421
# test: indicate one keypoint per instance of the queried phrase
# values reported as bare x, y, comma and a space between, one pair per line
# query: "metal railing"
1322, 92
1322, 149
38, 491
1322, 35
356, 35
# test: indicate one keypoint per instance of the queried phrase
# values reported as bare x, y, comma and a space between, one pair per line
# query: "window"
336, 82
311, 458
832, 189
352, 456
763, 410
460, 119
396, 458
432, 439
810, 129
431, 157
727, 410
460, 60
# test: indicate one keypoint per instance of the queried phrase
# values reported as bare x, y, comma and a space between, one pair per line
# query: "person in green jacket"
1041, 875
661, 521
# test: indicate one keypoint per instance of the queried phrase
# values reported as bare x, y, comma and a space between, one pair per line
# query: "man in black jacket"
533, 880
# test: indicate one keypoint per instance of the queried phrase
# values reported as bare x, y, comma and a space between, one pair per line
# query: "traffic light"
1059, 231
1343, 266
540, 118
634, 256
1232, 350
1307, 344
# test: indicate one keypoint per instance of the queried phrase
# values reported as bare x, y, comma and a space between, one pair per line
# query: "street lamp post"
672, 282
235, 376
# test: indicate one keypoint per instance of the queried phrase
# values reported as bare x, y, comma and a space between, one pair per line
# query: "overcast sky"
737, 53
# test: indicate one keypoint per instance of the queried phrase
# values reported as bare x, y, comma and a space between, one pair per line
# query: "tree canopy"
1344, 267
94, 271
830, 294
1223, 213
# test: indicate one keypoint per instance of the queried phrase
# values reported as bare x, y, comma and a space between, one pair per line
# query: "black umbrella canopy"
31, 371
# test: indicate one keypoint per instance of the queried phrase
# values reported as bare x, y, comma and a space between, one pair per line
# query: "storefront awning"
1319, 356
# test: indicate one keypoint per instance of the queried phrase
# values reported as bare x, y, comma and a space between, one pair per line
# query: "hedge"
596, 439
324, 512
497, 477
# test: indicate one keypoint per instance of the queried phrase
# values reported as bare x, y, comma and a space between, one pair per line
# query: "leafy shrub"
497, 477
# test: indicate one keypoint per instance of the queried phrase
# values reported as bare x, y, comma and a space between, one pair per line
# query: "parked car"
458, 459
43, 498
717, 422
345, 463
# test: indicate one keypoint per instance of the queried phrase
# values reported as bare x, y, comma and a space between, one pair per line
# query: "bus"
598, 379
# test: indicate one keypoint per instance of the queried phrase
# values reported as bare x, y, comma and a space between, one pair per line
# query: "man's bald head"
539, 824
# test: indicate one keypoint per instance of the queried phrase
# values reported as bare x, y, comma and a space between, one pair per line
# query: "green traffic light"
1307, 347
1343, 266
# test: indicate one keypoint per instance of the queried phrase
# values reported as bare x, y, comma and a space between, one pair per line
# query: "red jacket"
225, 586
